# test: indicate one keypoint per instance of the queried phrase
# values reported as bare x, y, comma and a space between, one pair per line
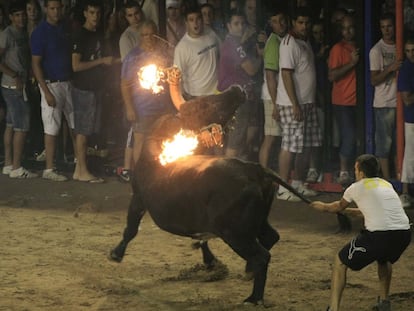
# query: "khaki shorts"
271, 126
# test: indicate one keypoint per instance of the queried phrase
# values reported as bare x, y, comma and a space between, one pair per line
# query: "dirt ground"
56, 236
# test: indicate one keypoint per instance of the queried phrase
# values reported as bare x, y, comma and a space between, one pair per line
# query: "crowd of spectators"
68, 69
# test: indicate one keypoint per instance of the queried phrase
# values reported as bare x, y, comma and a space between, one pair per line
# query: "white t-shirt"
379, 203
297, 55
197, 58
380, 56
129, 39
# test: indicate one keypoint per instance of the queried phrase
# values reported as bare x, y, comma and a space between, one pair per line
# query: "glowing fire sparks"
149, 77
183, 144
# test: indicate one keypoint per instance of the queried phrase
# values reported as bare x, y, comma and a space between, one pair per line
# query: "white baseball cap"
172, 4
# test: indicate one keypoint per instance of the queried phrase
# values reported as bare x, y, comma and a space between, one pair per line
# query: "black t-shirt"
89, 44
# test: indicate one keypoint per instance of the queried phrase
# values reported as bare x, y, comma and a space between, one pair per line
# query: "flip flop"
95, 180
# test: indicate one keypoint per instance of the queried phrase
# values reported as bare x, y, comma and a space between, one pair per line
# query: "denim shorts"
145, 124
87, 111
18, 110
384, 131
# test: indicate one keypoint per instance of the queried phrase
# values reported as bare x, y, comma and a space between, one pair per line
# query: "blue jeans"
384, 131
345, 117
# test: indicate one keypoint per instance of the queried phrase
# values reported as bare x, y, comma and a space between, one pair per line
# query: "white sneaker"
52, 175
302, 189
21, 172
344, 179
287, 196
405, 200
312, 176
42, 156
7, 169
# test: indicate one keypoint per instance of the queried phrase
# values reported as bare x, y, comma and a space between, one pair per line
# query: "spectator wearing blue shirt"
405, 86
51, 64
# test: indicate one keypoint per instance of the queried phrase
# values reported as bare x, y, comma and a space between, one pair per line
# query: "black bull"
203, 197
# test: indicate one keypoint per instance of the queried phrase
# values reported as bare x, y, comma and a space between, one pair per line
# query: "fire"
183, 144
149, 77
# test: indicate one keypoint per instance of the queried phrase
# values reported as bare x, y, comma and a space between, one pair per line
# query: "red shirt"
344, 89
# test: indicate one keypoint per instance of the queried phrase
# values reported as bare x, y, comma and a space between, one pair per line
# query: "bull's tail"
275, 177
344, 222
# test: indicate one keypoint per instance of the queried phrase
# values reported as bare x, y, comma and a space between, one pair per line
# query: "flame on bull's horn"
183, 144
149, 76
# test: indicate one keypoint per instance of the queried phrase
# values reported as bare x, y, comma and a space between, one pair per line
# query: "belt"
55, 81
10, 87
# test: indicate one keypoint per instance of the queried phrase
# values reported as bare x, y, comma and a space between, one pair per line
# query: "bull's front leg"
135, 213
209, 259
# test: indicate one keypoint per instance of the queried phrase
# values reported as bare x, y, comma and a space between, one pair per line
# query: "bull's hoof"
114, 256
253, 302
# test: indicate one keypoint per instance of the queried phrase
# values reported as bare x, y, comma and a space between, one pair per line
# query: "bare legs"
13, 147
384, 276
339, 280
50, 147
266, 148
337, 283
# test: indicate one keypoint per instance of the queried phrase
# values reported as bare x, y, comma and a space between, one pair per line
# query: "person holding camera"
237, 66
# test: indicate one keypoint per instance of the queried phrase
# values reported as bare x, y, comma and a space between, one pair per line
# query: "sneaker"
287, 196
41, 157
405, 200
52, 175
302, 189
21, 172
344, 178
102, 153
312, 176
125, 175
382, 305
7, 169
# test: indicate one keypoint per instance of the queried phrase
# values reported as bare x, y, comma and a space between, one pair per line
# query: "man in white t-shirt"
383, 66
196, 55
387, 230
296, 104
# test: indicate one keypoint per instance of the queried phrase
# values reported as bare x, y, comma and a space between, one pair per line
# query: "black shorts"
380, 246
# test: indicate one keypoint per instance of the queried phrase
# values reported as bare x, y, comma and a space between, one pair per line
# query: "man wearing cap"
175, 22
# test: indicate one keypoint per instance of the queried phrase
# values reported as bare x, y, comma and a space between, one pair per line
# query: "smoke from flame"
149, 77
183, 144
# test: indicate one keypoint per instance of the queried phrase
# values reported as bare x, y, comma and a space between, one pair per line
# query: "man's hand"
355, 57
130, 114
395, 66
50, 99
211, 135
19, 83
297, 113
173, 75
275, 113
